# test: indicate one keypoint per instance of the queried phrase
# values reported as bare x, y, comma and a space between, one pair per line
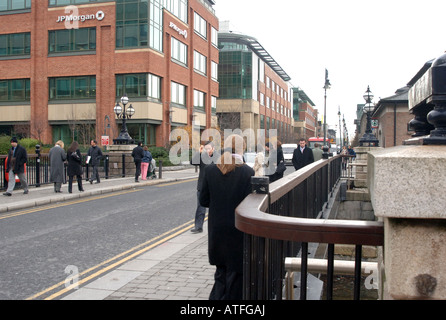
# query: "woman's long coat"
222, 194
57, 159
74, 164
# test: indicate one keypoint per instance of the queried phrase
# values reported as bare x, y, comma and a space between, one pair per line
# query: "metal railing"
38, 169
281, 223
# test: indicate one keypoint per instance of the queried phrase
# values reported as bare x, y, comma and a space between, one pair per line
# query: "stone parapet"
406, 185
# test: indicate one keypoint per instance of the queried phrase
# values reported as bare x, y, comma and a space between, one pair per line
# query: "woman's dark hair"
74, 146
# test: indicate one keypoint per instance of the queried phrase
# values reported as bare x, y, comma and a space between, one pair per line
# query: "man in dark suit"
302, 155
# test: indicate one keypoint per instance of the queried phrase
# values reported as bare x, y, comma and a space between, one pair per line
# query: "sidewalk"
177, 269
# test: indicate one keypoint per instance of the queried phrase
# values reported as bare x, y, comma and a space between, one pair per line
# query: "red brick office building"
65, 63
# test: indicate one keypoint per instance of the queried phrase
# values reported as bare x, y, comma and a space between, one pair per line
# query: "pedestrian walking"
276, 162
74, 168
15, 165
225, 185
94, 157
317, 152
344, 152
57, 160
259, 163
206, 150
302, 155
145, 162
138, 154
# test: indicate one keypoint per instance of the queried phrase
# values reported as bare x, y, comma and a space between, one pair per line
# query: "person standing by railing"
74, 166
94, 157
57, 159
17, 158
225, 185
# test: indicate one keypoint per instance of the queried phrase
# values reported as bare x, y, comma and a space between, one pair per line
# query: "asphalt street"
40, 246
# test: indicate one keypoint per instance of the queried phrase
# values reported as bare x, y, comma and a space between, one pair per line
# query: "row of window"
271, 103
139, 23
271, 123
84, 39
84, 87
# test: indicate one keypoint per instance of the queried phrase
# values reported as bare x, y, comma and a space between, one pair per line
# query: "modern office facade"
304, 115
254, 90
65, 63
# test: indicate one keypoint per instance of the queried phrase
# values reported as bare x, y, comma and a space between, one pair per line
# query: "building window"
72, 40
214, 36
132, 85
15, 44
139, 24
178, 94
199, 100
156, 25
72, 88
154, 87
178, 51
200, 25
6, 5
15, 90
200, 62
214, 71
55, 3
262, 99
213, 105
178, 8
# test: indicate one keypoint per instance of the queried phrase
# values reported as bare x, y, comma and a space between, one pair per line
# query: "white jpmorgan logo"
72, 17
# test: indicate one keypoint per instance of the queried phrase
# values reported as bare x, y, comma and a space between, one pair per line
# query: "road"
42, 246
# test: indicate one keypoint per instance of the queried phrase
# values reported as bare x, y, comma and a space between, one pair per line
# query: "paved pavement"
177, 269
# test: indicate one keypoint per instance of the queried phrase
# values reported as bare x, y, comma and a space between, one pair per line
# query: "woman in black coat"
74, 166
225, 185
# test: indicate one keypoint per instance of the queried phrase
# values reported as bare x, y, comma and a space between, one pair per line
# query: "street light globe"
130, 111
368, 95
369, 107
117, 109
124, 100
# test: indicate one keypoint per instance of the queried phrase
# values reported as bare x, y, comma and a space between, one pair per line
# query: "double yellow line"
112, 262
121, 258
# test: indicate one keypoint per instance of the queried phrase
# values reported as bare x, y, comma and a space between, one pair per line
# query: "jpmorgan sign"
72, 17
180, 32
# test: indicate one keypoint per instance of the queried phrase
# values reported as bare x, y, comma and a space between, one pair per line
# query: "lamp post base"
124, 138
368, 140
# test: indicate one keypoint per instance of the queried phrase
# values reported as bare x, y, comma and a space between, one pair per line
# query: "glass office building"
67, 62
254, 89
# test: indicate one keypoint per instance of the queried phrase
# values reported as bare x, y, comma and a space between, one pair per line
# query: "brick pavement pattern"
186, 275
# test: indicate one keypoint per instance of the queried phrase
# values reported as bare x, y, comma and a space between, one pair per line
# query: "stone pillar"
406, 185
115, 158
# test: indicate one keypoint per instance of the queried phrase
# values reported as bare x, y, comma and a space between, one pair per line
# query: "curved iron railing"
281, 224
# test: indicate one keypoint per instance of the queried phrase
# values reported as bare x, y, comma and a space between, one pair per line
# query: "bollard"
38, 166
106, 163
123, 165
160, 169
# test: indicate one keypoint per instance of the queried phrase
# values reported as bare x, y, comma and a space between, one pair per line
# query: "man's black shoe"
7, 194
195, 230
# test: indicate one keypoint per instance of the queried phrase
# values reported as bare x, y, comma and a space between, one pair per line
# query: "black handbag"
281, 167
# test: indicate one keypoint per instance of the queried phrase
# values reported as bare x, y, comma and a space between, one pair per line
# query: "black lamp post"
327, 85
368, 139
340, 130
124, 114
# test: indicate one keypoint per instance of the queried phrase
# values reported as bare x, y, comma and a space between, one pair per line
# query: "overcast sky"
380, 43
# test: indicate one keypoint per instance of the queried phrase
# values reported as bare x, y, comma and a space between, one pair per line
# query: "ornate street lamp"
124, 114
327, 86
368, 139
340, 129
